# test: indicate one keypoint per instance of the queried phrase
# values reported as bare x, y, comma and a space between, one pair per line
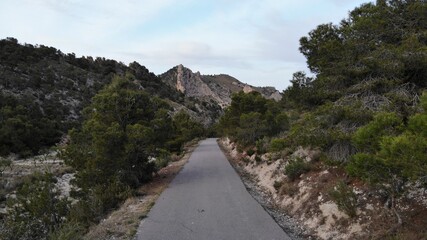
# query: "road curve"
208, 201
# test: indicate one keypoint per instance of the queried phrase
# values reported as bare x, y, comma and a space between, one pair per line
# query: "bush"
295, 168
5, 163
262, 145
368, 167
345, 198
368, 137
277, 185
99, 200
37, 211
68, 231
277, 145
391, 157
252, 117
163, 158
250, 152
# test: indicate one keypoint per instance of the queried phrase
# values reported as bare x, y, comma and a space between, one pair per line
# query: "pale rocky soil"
307, 204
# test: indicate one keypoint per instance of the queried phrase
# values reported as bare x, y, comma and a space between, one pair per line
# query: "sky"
254, 41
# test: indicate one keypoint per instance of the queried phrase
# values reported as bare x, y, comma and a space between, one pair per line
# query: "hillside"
351, 162
43, 91
79, 135
216, 88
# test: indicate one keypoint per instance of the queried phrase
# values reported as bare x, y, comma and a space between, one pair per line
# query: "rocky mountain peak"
217, 88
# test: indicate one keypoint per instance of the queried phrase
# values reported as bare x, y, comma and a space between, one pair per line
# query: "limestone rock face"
276, 96
192, 85
216, 88
247, 89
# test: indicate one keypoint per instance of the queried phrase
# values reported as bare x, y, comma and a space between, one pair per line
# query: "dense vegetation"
126, 136
44, 90
251, 117
117, 124
364, 106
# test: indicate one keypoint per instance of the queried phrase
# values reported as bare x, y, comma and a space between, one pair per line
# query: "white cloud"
255, 41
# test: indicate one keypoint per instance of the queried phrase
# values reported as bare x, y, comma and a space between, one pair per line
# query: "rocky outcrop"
192, 85
217, 88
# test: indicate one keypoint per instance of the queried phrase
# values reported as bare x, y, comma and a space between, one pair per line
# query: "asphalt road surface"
207, 200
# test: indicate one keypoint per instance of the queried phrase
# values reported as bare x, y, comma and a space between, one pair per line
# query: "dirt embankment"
307, 203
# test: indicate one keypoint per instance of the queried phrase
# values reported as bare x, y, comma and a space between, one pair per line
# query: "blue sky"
254, 41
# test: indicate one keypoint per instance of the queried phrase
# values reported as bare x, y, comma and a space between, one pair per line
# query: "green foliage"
185, 129
277, 185
301, 93
377, 43
249, 128
330, 128
23, 127
406, 153
4, 164
117, 136
395, 157
252, 117
98, 200
44, 90
277, 145
367, 138
262, 145
250, 152
368, 167
163, 159
123, 132
345, 198
295, 168
423, 102
37, 211
68, 231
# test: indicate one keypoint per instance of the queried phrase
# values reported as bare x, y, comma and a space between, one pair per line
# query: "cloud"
255, 41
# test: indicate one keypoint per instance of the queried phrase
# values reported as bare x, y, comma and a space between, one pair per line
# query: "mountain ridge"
218, 88
43, 92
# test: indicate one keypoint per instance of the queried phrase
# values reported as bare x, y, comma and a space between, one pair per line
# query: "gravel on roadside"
286, 222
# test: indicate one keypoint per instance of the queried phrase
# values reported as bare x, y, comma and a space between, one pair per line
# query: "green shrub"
368, 137
277, 145
295, 168
277, 185
37, 210
4, 164
163, 158
250, 152
68, 231
345, 198
368, 167
394, 152
262, 145
252, 117
406, 155
99, 200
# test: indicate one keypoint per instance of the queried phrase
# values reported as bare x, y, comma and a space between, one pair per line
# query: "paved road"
207, 200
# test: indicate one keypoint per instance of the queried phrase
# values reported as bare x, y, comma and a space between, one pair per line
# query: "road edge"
285, 221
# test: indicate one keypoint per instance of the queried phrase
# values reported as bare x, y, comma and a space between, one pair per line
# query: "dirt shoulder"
123, 222
305, 207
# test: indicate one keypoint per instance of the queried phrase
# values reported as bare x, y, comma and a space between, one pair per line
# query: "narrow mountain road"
208, 201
